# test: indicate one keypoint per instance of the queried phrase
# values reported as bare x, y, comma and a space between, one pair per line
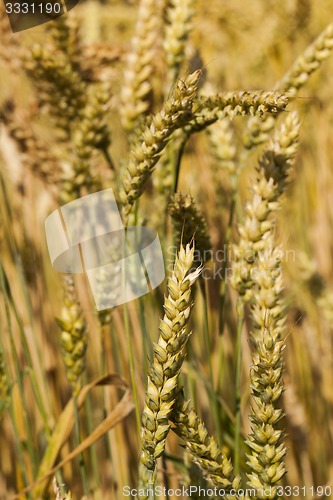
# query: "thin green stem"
206, 334
151, 485
227, 240
165, 477
92, 449
146, 344
132, 370
18, 371
109, 160
237, 437
191, 383
223, 287
19, 449
178, 162
78, 441
206, 330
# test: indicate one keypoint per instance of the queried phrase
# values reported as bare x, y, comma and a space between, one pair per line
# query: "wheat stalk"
4, 385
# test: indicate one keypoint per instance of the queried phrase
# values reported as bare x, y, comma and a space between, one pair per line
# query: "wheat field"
212, 123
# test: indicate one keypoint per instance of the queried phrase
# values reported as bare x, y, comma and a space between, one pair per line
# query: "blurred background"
239, 45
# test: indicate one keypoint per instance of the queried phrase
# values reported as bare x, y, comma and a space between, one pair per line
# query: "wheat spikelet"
168, 358
262, 282
56, 73
312, 58
231, 104
73, 335
224, 159
222, 141
65, 36
52, 73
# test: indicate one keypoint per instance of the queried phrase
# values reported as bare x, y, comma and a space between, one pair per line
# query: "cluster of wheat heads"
118, 95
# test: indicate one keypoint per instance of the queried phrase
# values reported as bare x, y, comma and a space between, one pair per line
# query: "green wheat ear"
203, 449
73, 335
169, 355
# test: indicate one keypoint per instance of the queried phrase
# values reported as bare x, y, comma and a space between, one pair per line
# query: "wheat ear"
182, 110
140, 64
202, 447
73, 335
270, 184
168, 358
180, 14
189, 223
266, 439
